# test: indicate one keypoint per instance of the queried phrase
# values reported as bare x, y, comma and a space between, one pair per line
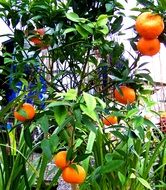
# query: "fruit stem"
75, 187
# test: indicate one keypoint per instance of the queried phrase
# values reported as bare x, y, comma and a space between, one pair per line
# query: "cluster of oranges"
125, 95
37, 39
149, 26
71, 172
25, 112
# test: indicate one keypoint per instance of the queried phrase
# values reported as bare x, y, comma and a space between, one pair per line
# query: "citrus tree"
88, 99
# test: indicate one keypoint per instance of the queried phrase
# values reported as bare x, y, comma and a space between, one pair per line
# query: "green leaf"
44, 124
133, 45
119, 135
27, 137
71, 94
138, 120
145, 76
68, 30
144, 183
89, 100
162, 3
23, 113
122, 178
43, 166
45, 145
108, 157
102, 20
116, 25
70, 153
89, 147
101, 102
142, 64
161, 185
8, 60
78, 142
153, 157
109, 7
60, 114
84, 33
81, 157
53, 141
93, 60
64, 124
19, 37
111, 166
146, 3
132, 112
89, 124
87, 28
104, 30
41, 7
24, 82
149, 123
119, 5
91, 25
73, 17
89, 112
78, 116
5, 4
58, 103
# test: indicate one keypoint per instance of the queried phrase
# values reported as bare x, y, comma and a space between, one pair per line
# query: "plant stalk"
75, 186
70, 143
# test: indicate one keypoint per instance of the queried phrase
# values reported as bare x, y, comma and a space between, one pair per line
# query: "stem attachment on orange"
75, 187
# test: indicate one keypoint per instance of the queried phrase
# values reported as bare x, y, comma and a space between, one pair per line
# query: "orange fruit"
25, 112
110, 120
40, 31
36, 41
149, 25
148, 47
128, 95
74, 176
60, 159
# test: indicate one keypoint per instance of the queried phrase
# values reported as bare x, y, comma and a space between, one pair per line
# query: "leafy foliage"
76, 68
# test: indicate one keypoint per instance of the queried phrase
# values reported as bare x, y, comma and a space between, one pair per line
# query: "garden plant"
69, 77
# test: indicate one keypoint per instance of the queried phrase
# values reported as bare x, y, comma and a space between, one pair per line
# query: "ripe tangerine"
25, 112
110, 120
128, 95
36, 41
74, 175
149, 25
148, 47
60, 159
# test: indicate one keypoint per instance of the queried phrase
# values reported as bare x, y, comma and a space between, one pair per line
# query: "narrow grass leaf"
144, 183
89, 147
111, 166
